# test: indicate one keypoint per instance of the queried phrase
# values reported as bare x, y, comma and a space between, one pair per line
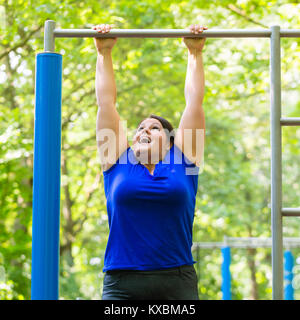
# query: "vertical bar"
197, 257
46, 177
198, 263
276, 166
49, 42
288, 275
225, 269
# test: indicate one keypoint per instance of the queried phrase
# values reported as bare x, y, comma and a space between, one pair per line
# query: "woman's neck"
150, 167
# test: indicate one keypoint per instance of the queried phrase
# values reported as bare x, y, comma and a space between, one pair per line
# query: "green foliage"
234, 188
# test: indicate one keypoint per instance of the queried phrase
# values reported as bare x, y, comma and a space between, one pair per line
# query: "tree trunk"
251, 252
66, 248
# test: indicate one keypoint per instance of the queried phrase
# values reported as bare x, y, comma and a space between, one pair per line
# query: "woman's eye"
156, 128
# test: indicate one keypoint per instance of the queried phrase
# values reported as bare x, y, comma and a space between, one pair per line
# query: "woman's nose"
146, 130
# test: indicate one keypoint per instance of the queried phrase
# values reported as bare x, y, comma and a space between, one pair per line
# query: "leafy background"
234, 187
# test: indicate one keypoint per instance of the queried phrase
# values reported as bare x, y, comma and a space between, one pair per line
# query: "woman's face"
150, 142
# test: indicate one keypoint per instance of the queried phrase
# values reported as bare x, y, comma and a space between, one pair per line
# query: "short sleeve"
123, 159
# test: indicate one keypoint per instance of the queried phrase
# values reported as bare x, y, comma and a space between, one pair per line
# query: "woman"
149, 189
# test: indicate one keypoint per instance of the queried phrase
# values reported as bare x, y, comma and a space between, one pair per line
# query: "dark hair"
166, 125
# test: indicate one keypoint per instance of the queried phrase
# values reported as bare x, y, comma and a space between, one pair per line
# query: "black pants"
180, 283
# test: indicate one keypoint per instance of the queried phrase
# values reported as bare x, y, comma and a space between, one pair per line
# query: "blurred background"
233, 198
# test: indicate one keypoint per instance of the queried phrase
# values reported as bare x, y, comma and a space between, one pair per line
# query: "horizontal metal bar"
208, 245
232, 245
172, 33
251, 239
290, 121
163, 33
289, 33
243, 246
244, 243
290, 212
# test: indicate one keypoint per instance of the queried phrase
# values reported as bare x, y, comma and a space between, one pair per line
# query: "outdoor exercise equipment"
47, 147
244, 243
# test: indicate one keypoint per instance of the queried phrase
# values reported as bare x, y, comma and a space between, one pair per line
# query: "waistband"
175, 270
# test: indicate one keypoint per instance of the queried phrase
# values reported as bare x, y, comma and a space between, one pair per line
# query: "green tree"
234, 188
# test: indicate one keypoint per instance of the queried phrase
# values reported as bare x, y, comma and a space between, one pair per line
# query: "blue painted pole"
288, 275
226, 278
46, 177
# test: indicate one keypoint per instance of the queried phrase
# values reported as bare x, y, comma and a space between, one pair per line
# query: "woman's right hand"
103, 44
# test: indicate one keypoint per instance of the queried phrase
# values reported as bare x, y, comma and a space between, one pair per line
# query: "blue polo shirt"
150, 217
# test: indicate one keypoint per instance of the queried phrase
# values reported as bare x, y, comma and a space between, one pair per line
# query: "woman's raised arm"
190, 135
111, 137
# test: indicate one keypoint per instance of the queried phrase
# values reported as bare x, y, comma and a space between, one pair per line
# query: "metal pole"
290, 212
243, 243
225, 269
46, 176
172, 33
289, 33
276, 167
290, 121
288, 275
49, 42
162, 33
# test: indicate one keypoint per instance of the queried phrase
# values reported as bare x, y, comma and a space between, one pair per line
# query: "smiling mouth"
144, 140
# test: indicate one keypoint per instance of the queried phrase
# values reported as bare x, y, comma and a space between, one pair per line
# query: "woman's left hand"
195, 43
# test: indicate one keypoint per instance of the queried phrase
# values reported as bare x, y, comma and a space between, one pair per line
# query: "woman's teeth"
145, 140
